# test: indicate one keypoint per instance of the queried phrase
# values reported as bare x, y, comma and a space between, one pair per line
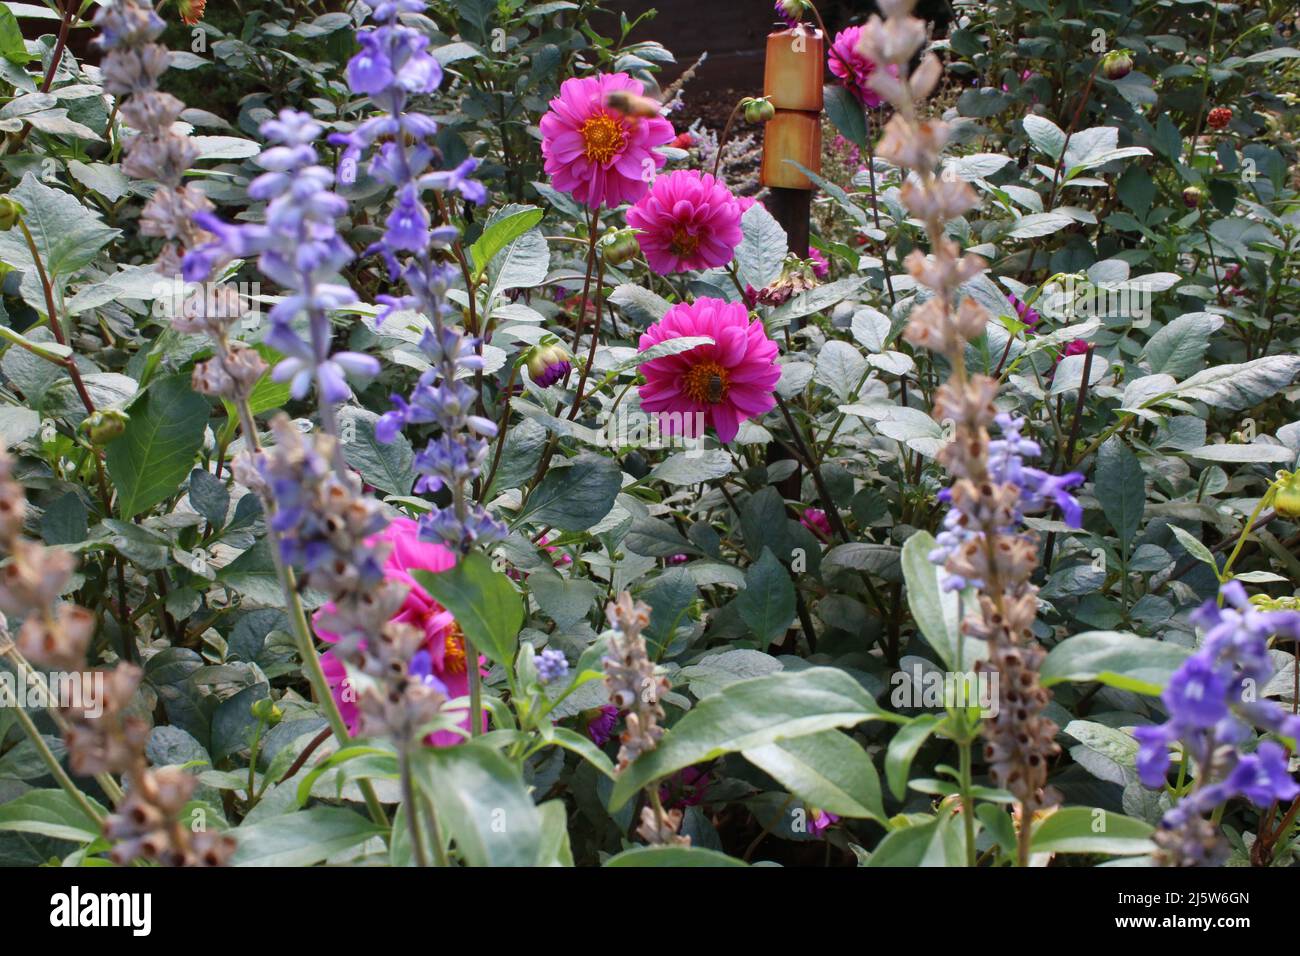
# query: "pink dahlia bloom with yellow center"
852, 68
687, 221
720, 385
595, 153
441, 658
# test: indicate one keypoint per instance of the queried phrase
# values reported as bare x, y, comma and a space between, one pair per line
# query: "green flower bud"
104, 426
621, 247
1286, 497
10, 211
267, 711
758, 110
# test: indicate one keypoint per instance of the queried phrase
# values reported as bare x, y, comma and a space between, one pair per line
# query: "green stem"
34, 735
1263, 502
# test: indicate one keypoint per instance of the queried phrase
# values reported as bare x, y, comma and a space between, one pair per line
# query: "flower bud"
104, 426
1117, 64
758, 110
1286, 496
9, 213
1192, 197
620, 246
548, 363
267, 711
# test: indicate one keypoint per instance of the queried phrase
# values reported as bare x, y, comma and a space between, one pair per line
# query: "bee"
630, 104
716, 388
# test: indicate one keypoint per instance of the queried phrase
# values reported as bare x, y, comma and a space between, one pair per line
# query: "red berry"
1219, 117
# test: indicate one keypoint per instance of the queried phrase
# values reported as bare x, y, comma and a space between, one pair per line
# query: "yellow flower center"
706, 382
604, 137
684, 243
453, 660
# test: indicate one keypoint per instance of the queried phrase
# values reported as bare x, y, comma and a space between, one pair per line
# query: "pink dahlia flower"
442, 655
852, 68
595, 153
821, 265
815, 520
687, 221
721, 384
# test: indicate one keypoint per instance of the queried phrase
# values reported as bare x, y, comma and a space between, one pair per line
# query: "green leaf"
936, 612
903, 749
1233, 387
752, 714
693, 467
1195, 547
209, 496
387, 466
846, 113
1044, 134
505, 226
66, 233
555, 834
484, 602
762, 247
481, 799
12, 47
50, 813
826, 770
767, 605
1140, 664
1121, 489
156, 452
1178, 348
576, 497
937, 842
1092, 830
304, 838
672, 856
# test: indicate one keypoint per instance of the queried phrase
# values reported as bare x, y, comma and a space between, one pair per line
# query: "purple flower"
688, 787
1213, 718
394, 64
1195, 695
600, 723
1037, 489
1026, 313
1153, 753
298, 248
1262, 777
551, 665
819, 821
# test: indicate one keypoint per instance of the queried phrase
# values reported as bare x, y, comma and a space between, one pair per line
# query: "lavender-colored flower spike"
1212, 707
393, 65
299, 248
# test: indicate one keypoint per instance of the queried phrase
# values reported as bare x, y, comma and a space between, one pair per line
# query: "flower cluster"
320, 518
394, 65
102, 734
131, 68
982, 544
721, 384
299, 248
1212, 705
